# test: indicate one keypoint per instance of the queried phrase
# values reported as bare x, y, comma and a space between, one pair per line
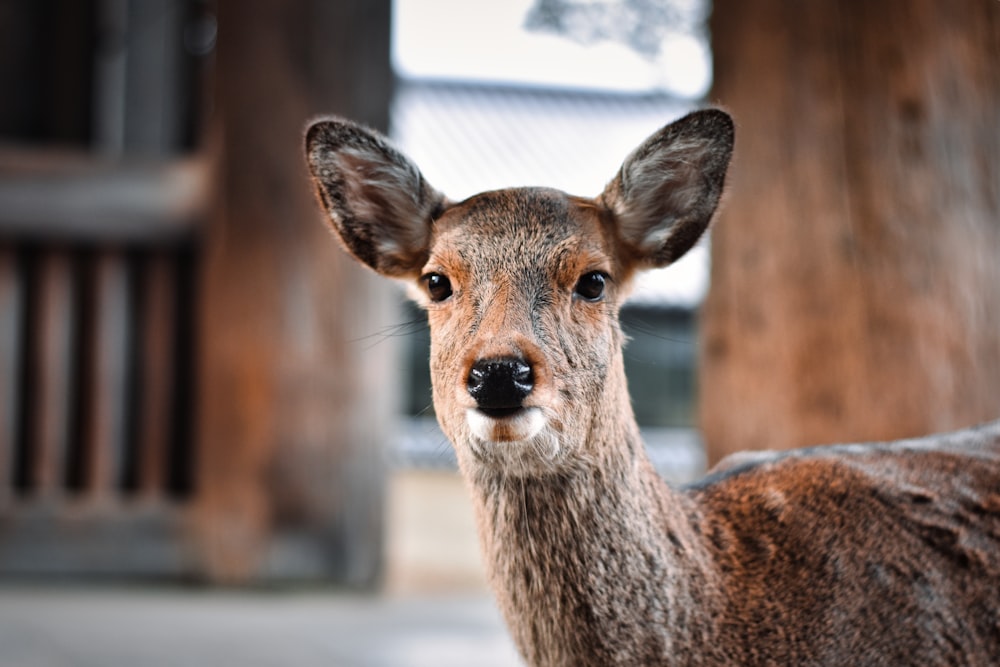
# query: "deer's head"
523, 286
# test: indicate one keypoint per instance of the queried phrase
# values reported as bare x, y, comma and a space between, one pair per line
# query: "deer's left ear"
667, 190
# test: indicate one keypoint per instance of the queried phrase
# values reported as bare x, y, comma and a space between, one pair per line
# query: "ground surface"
82, 627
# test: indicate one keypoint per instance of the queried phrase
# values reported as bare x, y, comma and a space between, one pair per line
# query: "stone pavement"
175, 627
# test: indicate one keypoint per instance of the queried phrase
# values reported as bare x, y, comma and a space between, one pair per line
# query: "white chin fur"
523, 425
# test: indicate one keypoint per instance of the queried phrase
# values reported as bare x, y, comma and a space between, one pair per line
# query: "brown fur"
852, 555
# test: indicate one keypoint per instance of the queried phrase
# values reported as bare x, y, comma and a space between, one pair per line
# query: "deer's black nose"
499, 386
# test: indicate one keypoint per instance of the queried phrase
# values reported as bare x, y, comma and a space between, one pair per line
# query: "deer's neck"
600, 565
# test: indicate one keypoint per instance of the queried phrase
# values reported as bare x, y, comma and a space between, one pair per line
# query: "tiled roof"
468, 138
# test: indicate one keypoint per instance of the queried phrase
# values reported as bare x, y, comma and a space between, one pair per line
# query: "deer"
856, 554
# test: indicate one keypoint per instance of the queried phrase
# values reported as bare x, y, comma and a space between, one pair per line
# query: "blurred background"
198, 387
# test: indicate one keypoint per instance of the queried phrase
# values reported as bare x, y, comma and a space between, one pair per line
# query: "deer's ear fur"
375, 198
665, 193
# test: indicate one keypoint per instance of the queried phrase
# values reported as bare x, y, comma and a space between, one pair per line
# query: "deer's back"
886, 552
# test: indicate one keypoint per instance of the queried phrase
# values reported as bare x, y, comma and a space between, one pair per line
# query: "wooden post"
855, 278
294, 411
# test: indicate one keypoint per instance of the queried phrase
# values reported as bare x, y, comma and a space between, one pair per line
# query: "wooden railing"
98, 272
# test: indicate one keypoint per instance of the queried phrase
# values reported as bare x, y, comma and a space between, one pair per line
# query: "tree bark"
293, 418
855, 289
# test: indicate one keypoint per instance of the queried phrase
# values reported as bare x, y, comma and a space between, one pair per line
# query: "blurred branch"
642, 25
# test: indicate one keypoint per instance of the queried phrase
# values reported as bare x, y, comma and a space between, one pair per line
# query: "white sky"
484, 40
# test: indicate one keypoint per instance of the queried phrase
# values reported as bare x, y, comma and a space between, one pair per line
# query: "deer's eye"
590, 286
438, 286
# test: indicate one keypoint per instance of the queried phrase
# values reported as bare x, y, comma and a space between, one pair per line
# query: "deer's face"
522, 286
522, 289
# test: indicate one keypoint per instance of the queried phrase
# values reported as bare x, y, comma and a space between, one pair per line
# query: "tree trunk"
855, 289
293, 419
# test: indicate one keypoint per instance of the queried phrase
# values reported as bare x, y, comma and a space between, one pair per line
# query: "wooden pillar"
856, 268
294, 413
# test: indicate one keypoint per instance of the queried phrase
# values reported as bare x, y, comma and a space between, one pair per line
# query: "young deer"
884, 554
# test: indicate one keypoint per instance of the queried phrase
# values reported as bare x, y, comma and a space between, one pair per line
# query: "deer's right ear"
375, 197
